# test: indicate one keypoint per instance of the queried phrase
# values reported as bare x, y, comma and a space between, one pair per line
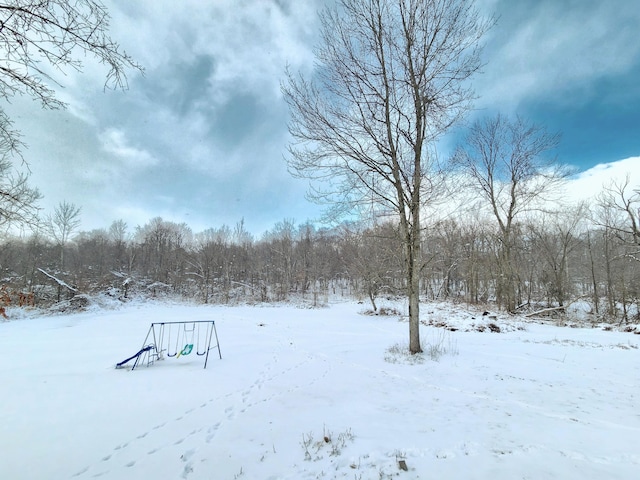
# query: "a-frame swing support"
159, 341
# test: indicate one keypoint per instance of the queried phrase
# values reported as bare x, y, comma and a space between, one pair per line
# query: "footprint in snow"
212, 432
187, 455
84, 470
188, 468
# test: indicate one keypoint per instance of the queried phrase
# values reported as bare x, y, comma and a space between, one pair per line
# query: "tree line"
574, 254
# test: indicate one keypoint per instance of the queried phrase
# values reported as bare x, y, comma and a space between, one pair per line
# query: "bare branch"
40, 38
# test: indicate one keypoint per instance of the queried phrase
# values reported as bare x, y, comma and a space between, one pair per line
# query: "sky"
200, 137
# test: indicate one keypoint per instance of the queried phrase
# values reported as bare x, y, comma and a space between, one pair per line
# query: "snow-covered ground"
317, 393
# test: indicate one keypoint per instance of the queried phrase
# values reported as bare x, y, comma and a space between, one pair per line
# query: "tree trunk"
610, 292
414, 307
413, 276
594, 282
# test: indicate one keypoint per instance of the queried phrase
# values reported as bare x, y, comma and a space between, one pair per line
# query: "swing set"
176, 340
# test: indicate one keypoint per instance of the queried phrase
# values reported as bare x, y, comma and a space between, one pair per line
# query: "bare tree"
283, 262
38, 39
64, 221
118, 236
618, 214
18, 201
391, 79
207, 258
507, 166
623, 203
241, 236
118, 231
554, 238
369, 255
163, 246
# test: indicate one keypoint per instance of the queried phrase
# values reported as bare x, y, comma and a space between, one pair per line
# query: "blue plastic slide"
142, 350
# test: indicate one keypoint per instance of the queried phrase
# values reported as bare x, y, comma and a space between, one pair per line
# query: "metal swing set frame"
189, 334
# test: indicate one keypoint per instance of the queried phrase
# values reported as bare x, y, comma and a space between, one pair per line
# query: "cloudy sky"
200, 137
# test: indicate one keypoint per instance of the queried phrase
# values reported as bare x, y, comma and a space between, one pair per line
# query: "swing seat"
188, 348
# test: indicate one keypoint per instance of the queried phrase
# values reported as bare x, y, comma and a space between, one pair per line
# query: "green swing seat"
188, 348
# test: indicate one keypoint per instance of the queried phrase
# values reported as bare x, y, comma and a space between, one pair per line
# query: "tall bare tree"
64, 221
508, 166
39, 39
391, 79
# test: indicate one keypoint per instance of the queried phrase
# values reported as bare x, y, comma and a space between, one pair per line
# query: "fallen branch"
62, 283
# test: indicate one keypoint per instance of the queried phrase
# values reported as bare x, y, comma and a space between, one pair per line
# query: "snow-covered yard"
316, 393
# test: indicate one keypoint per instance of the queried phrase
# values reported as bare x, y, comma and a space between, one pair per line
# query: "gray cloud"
544, 49
200, 137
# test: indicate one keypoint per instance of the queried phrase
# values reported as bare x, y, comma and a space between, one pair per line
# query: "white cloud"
114, 142
588, 184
